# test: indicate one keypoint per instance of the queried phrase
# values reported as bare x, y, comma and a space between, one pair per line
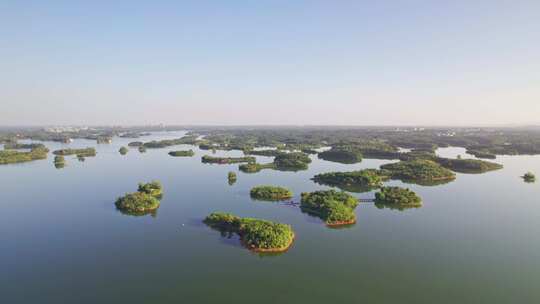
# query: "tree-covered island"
255, 234
529, 177
270, 193
293, 161
355, 181
123, 150
342, 154
207, 159
468, 165
397, 198
333, 207
182, 153
144, 201
255, 167
421, 171
13, 156
86, 152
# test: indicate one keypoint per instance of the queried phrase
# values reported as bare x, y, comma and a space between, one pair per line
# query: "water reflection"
399, 207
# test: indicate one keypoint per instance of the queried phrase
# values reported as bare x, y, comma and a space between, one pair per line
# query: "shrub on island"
355, 181
397, 198
270, 193
419, 171
334, 207
153, 188
142, 149
123, 150
256, 235
182, 153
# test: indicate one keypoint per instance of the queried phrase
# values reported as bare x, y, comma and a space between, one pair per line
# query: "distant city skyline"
353, 63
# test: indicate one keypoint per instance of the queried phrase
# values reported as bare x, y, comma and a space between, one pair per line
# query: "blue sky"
270, 62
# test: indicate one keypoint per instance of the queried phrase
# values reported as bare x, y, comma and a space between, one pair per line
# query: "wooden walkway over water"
297, 204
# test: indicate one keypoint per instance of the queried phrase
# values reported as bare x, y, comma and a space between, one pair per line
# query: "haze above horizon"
270, 63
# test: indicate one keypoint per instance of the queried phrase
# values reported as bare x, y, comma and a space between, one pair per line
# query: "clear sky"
270, 62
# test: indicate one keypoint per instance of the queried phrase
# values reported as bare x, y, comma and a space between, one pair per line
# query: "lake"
475, 240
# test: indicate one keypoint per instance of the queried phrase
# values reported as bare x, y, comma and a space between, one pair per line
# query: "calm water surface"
475, 240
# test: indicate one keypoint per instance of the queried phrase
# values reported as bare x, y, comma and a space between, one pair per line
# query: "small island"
355, 181
529, 177
142, 149
137, 203
468, 165
293, 161
207, 159
86, 152
13, 156
255, 234
334, 207
270, 193
182, 153
142, 202
344, 155
135, 144
123, 150
397, 198
231, 176
255, 167
419, 171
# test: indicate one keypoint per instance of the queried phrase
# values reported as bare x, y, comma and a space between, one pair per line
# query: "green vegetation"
232, 178
293, 161
186, 140
153, 188
137, 203
529, 177
270, 193
355, 181
182, 153
468, 165
255, 167
142, 149
13, 156
207, 159
397, 198
144, 201
123, 150
343, 154
419, 171
335, 208
80, 158
86, 152
257, 235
